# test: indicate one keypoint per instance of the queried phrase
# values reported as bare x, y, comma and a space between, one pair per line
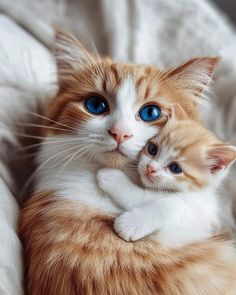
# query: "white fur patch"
126, 94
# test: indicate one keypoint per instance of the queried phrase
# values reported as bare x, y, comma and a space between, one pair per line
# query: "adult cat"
103, 114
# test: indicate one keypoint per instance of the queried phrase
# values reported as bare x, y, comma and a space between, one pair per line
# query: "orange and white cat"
180, 171
103, 115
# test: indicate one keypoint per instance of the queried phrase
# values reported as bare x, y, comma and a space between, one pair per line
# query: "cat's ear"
193, 76
70, 54
177, 113
221, 157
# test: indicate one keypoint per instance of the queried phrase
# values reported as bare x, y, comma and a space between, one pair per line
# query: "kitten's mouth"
149, 177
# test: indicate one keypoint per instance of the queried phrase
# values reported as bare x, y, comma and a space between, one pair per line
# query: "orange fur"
72, 249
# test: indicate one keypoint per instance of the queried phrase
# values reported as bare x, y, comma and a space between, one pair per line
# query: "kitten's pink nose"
119, 135
150, 169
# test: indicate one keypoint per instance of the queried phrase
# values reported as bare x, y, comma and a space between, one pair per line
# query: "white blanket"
26, 70
161, 32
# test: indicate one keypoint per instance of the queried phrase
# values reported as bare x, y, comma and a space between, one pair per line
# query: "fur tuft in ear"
221, 157
70, 55
178, 113
193, 76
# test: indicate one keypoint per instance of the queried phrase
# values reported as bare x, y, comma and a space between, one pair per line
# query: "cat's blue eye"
150, 113
96, 105
175, 168
152, 149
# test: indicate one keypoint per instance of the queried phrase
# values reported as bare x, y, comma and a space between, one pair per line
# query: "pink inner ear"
221, 157
219, 164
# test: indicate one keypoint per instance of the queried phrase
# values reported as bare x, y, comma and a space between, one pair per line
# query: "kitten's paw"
108, 179
130, 226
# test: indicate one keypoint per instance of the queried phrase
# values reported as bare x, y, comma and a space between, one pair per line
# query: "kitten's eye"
96, 104
150, 113
152, 149
175, 168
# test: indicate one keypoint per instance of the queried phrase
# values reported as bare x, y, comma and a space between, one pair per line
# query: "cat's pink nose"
150, 169
119, 135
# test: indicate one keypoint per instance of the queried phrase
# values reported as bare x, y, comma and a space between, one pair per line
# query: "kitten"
103, 115
180, 170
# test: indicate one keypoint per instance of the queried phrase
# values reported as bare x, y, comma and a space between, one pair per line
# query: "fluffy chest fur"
73, 180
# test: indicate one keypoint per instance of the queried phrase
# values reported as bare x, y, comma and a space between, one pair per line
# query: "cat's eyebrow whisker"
94, 48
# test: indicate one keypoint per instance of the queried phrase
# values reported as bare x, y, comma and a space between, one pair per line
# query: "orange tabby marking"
72, 249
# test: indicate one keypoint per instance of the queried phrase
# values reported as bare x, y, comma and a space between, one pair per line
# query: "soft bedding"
26, 79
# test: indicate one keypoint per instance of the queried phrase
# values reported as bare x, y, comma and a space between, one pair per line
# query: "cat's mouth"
115, 159
116, 151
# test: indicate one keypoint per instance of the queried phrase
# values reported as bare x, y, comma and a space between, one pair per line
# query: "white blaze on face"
124, 120
124, 114
126, 95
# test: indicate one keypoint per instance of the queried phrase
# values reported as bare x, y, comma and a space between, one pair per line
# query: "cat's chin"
113, 160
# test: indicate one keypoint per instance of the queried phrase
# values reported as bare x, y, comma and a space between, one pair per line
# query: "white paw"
108, 179
130, 226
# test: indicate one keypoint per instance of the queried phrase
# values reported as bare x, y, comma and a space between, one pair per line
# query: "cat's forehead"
114, 78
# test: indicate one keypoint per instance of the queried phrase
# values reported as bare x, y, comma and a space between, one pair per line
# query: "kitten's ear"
193, 76
221, 157
70, 54
177, 113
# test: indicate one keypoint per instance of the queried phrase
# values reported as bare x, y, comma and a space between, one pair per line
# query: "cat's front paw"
130, 226
108, 179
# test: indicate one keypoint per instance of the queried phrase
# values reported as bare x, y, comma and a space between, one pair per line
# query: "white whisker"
41, 126
30, 179
50, 120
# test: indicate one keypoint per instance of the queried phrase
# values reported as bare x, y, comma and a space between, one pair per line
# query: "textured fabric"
161, 32
26, 71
